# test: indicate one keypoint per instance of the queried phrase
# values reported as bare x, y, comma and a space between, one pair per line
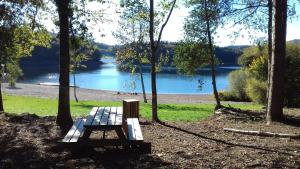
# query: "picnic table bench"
105, 119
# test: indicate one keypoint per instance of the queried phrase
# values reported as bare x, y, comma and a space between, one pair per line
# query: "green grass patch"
166, 112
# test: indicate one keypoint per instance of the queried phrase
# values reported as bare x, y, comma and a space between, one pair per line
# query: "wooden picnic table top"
104, 118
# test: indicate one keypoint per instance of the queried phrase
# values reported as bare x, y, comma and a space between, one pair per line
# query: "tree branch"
262, 133
165, 23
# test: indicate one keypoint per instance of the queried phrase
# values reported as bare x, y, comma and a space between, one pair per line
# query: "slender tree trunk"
64, 119
275, 99
154, 91
33, 24
74, 79
212, 59
142, 82
153, 63
1, 99
270, 29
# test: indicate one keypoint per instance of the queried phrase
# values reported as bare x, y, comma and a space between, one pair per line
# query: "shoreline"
48, 91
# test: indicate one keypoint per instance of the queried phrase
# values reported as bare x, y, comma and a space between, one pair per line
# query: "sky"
103, 31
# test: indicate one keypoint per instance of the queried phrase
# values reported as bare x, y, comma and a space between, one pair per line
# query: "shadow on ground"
29, 141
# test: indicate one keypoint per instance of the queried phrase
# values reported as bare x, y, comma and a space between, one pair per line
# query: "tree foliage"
200, 26
20, 32
255, 64
190, 56
24, 39
134, 48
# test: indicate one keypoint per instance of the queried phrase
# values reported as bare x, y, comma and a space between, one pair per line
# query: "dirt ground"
29, 141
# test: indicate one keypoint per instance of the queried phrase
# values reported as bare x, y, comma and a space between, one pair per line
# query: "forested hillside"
48, 58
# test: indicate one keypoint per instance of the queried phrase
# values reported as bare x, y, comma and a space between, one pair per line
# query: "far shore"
49, 91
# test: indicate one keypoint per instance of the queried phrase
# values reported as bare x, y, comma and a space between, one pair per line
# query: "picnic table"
105, 119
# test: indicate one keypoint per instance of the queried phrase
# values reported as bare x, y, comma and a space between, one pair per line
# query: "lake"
108, 77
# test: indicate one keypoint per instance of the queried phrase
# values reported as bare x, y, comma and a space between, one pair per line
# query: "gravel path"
47, 91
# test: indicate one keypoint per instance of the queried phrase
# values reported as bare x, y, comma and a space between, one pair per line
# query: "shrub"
14, 73
254, 61
237, 85
259, 68
257, 90
227, 96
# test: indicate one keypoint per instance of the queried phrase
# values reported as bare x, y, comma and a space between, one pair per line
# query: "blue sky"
174, 32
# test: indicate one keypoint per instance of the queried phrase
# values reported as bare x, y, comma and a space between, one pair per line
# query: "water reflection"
108, 77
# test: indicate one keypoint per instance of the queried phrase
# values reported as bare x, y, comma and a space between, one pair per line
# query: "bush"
14, 73
237, 84
257, 90
227, 96
254, 61
259, 68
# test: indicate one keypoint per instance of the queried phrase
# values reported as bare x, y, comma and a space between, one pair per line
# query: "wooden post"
131, 108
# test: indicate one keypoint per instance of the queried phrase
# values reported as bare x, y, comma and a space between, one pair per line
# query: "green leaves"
195, 24
129, 57
132, 32
14, 73
190, 56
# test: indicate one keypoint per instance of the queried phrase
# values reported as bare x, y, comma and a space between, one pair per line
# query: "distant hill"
47, 59
229, 55
295, 41
106, 50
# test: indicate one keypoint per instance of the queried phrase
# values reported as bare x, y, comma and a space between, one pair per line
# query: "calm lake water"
108, 77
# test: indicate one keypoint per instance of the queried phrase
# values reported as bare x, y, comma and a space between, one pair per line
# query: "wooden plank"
98, 116
105, 116
119, 116
91, 116
112, 116
102, 142
71, 132
134, 130
78, 132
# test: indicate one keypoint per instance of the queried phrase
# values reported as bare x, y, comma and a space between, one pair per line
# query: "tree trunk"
154, 91
1, 99
64, 119
275, 99
212, 59
142, 82
270, 29
153, 62
74, 79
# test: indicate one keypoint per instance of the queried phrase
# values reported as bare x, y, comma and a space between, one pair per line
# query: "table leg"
120, 133
103, 137
87, 133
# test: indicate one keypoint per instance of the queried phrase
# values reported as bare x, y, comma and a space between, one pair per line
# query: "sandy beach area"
48, 91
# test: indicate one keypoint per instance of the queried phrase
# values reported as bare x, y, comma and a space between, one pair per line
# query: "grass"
166, 112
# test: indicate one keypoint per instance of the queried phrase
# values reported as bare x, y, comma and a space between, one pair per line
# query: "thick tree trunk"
212, 59
142, 83
1, 99
270, 29
275, 98
153, 63
64, 119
